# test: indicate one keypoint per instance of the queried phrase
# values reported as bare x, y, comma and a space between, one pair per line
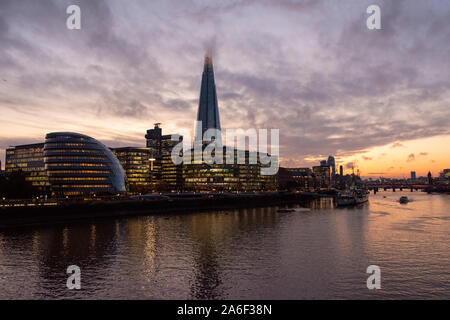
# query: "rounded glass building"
78, 165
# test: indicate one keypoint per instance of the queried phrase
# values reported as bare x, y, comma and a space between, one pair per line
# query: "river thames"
322, 253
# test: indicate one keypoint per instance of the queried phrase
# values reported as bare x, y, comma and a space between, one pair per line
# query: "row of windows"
28, 169
71, 151
136, 175
76, 165
25, 165
68, 158
86, 186
78, 171
26, 157
80, 179
69, 144
127, 163
135, 155
22, 151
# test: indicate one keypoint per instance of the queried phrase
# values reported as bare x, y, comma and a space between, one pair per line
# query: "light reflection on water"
240, 254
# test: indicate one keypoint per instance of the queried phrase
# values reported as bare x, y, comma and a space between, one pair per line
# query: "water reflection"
247, 253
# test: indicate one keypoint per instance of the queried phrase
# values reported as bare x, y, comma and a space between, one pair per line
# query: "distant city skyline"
376, 100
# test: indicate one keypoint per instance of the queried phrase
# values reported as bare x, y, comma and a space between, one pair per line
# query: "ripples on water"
241, 254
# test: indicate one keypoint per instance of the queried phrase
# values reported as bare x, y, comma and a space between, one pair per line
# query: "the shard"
208, 110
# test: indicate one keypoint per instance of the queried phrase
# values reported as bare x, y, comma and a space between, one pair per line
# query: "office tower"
154, 139
341, 171
323, 163
301, 177
28, 159
413, 175
332, 164
171, 174
79, 165
208, 110
225, 176
136, 162
163, 170
322, 175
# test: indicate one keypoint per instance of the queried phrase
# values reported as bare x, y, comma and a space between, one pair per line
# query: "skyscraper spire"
208, 110
208, 59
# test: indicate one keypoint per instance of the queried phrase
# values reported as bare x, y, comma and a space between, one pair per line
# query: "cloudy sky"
376, 98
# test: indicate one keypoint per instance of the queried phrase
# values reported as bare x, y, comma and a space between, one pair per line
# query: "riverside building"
28, 159
79, 165
239, 176
137, 165
163, 169
322, 175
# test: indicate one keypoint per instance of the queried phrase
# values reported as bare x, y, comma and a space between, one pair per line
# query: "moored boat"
352, 197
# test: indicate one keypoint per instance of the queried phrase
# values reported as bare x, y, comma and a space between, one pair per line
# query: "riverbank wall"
72, 211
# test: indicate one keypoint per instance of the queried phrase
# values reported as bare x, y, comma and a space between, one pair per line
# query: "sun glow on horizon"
398, 159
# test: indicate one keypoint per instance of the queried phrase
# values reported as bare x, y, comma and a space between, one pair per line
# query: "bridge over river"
394, 187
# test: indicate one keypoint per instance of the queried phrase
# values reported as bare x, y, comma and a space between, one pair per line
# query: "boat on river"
352, 197
404, 199
285, 210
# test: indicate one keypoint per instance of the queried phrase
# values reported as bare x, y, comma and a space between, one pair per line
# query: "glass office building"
208, 108
28, 159
138, 167
80, 165
235, 177
164, 170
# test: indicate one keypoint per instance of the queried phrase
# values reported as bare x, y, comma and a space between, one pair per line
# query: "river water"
243, 254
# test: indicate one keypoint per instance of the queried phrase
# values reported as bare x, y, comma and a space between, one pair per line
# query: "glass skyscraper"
208, 110
220, 177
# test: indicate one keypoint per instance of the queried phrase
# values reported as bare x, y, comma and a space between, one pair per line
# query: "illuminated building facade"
136, 162
302, 177
80, 165
234, 177
322, 175
164, 170
240, 176
28, 159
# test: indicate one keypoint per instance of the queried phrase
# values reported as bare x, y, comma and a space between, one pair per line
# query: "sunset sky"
377, 99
